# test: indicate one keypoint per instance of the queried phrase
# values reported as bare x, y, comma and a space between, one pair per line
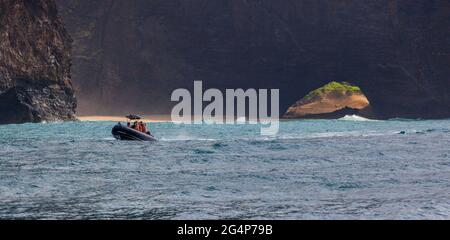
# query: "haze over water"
318, 169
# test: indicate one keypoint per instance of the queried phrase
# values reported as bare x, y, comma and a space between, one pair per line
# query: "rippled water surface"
327, 169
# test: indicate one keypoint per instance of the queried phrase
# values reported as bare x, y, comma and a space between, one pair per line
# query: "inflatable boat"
122, 132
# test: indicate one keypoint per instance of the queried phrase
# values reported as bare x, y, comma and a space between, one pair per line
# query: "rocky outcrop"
35, 61
334, 100
131, 54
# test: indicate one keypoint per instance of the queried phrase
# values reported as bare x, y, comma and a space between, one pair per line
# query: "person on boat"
139, 126
135, 125
144, 127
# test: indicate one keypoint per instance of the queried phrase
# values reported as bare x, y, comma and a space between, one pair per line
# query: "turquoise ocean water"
313, 169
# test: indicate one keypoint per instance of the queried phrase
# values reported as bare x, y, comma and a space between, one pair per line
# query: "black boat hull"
121, 132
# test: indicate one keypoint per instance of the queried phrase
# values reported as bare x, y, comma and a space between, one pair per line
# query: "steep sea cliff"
397, 51
35, 61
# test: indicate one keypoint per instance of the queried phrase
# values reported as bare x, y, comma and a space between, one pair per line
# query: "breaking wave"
355, 118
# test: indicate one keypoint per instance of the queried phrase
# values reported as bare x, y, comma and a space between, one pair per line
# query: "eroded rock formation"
35, 60
334, 100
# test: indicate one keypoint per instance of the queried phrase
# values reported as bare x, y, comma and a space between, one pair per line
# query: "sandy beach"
145, 118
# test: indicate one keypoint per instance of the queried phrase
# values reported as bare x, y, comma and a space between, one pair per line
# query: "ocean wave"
337, 134
425, 131
355, 118
433, 130
405, 119
317, 135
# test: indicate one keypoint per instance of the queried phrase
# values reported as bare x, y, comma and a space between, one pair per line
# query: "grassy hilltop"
333, 87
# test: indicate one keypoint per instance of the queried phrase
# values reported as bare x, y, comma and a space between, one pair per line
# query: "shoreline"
145, 118
167, 118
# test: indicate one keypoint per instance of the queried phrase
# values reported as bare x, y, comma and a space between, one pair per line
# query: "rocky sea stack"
334, 100
35, 61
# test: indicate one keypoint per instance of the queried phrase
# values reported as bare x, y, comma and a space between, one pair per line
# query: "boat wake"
183, 138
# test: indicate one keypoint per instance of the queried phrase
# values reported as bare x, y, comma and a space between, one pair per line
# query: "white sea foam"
337, 134
355, 118
52, 122
108, 139
241, 120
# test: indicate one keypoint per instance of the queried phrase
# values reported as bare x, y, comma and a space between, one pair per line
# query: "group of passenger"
139, 126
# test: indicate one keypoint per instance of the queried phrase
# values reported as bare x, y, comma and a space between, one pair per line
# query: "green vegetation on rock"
333, 86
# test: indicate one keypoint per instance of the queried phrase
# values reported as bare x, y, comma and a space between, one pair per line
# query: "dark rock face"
35, 61
130, 55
